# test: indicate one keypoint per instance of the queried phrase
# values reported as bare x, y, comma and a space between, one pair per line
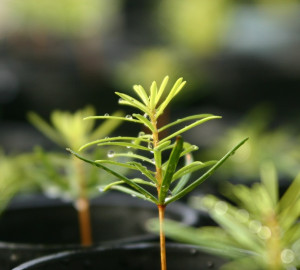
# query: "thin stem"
83, 207
163, 259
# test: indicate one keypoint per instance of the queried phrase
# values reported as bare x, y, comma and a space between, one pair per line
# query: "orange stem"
163, 259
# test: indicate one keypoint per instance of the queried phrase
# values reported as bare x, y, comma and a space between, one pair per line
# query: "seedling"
258, 222
157, 172
57, 173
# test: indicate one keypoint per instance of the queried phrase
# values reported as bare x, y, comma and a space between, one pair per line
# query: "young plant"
158, 172
59, 174
14, 177
259, 223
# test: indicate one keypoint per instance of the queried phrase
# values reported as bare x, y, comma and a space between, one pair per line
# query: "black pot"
43, 226
128, 257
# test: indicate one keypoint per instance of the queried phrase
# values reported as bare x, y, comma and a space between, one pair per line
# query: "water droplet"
133, 195
128, 146
141, 134
242, 215
150, 145
146, 115
255, 226
101, 189
107, 114
128, 116
193, 251
287, 256
221, 207
121, 100
153, 160
111, 153
264, 233
167, 199
106, 137
130, 153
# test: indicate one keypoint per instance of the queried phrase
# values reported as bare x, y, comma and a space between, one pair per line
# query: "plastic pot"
131, 257
37, 227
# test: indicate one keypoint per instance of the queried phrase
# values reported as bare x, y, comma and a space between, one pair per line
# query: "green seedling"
257, 231
71, 178
159, 158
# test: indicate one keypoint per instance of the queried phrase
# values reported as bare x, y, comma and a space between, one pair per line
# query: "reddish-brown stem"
84, 219
83, 207
163, 259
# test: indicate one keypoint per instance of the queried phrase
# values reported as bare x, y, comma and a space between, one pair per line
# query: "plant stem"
163, 259
83, 207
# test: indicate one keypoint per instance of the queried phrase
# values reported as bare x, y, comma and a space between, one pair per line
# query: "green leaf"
161, 89
174, 91
199, 122
134, 193
113, 139
184, 177
134, 156
153, 93
46, 129
121, 177
205, 175
141, 93
162, 146
136, 180
106, 127
144, 171
270, 181
132, 102
144, 120
171, 168
189, 118
125, 144
112, 117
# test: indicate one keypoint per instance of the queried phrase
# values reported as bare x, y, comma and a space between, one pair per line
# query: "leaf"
132, 102
106, 127
189, 118
270, 181
162, 146
153, 93
141, 93
171, 168
125, 144
144, 171
132, 155
145, 121
112, 117
113, 139
46, 129
121, 177
136, 180
174, 91
184, 178
134, 193
205, 175
161, 89
180, 131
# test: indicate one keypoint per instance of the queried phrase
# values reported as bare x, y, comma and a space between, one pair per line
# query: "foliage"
266, 143
258, 222
14, 178
57, 173
171, 184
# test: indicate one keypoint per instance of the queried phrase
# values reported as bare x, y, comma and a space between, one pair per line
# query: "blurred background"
241, 60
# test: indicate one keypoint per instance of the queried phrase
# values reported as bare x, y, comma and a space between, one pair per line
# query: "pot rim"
144, 245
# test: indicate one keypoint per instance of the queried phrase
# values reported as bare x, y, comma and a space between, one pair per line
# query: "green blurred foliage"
278, 144
65, 18
257, 229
